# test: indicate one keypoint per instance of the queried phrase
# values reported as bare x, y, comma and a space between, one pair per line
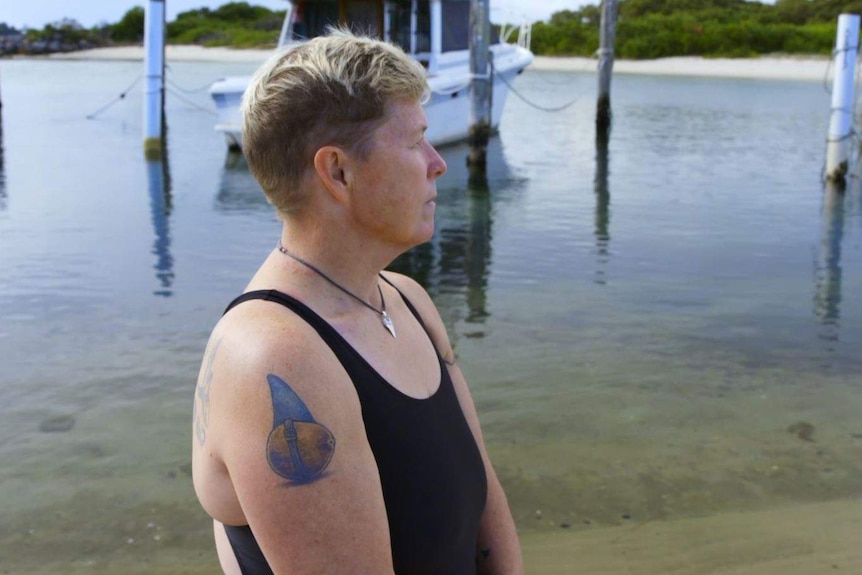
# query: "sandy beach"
800, 539
797, 540
802, 68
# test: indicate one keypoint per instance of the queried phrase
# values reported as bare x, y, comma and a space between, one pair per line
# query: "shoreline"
792, 539
801, 68
796, 539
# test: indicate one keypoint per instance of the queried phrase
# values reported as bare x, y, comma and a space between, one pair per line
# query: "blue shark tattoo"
298, 448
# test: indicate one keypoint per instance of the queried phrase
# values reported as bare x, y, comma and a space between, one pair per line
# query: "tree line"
645, 29
719, 28
236, 24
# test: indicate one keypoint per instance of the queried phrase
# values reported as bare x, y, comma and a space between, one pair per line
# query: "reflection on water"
456, 263
159, 185
827, 293
238, 191
477, 253
663, 377
2, 169
603, 205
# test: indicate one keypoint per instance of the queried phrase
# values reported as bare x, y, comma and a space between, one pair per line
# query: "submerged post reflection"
603, 202
159, 186
827, 290
455, 265
477, 252
2, 168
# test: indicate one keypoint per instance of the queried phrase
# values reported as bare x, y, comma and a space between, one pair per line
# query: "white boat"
434, 32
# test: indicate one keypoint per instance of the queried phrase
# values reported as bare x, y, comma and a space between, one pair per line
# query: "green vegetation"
130, 28
61, 36
236, 24
731, 28
645, 28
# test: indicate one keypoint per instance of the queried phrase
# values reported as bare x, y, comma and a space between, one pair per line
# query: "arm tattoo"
202, 395
298, 448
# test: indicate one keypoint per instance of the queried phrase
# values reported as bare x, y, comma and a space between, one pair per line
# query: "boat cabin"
423, 28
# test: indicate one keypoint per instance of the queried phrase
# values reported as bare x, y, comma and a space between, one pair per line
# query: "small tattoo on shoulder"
298, 448
202, 395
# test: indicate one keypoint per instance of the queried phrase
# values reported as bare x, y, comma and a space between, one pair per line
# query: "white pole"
284, 38
436, 35
843, 96
414, 25
154, 88
387, 21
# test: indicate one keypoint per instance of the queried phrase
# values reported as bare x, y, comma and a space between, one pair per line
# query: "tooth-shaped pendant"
387, 323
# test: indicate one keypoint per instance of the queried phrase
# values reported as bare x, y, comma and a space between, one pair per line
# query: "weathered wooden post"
154, 88
843, 97
606, 64
480, 87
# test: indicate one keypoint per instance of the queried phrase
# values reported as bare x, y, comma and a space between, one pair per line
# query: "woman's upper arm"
295, 448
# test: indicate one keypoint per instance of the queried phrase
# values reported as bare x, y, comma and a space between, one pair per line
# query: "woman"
333, 431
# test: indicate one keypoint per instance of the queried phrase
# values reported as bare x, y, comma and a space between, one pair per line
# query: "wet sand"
794, 540
811, 68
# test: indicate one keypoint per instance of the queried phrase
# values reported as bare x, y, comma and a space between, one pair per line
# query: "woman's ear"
332, 167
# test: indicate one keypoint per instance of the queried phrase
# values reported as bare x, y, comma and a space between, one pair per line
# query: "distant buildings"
11, 40
66, 36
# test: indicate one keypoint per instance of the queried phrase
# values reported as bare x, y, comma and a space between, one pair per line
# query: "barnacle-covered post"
154, 87
843, 97
480, 87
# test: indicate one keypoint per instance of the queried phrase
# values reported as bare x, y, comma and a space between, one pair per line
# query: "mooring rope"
192, 103
115, 100
835, 52
186, 90
528, 102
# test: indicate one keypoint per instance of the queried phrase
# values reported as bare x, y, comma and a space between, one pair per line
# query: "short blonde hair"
331, 90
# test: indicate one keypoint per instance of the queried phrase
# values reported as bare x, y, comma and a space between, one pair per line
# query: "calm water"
666, 328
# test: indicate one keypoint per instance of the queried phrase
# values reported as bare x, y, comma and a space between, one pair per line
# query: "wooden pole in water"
606, 65
480, 86
843, 97
154, 88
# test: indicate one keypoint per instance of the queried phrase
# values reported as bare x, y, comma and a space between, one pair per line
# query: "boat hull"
448, 109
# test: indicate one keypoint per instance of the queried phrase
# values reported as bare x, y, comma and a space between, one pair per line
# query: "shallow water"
643, 327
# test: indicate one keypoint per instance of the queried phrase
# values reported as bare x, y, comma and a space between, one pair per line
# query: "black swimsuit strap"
310, 316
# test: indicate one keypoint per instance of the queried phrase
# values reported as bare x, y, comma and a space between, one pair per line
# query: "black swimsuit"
431, 471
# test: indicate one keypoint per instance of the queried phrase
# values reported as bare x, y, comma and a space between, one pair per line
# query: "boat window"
313, 18
399, 15
456, 25
363, 16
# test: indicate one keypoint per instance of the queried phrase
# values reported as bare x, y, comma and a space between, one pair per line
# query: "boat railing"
284, 37
524, 31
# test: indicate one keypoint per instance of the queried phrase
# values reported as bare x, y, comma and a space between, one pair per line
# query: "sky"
37, 13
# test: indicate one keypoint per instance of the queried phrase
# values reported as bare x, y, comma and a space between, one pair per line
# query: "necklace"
384, 317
